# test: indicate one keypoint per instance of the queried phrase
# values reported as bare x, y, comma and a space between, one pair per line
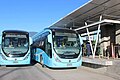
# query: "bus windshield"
66, 44
15, 45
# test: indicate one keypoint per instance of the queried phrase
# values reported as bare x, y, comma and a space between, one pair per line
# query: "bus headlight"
56, 59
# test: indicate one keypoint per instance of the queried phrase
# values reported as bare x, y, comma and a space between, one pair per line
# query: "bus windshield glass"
66, 45
15, 45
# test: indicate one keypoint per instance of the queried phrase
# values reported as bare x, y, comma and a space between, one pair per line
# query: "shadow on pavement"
31, 64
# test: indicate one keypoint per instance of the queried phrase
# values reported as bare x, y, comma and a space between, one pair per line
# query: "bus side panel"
0, 55
37, 54
46, 59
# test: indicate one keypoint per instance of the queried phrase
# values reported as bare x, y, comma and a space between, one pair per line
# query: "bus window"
15, 42
49, 49
7, 42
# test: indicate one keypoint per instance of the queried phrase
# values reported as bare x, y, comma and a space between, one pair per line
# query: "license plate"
15, 61
69, 64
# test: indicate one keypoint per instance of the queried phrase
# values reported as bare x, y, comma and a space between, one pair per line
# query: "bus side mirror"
49, 38
30, 40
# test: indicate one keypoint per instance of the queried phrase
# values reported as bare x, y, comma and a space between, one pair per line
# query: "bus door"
48, 48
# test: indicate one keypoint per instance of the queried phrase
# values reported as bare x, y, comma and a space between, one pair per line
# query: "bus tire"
41, 62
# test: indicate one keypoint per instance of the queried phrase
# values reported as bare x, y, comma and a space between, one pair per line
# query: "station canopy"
90, 13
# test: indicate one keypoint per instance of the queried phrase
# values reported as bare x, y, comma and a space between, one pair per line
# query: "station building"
98, 22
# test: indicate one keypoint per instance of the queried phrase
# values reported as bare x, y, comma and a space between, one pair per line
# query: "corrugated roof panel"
91, 12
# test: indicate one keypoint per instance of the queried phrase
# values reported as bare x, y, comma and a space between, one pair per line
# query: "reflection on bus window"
66, 42
15, 44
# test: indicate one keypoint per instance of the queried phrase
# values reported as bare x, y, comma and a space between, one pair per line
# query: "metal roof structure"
90, 13
90, 17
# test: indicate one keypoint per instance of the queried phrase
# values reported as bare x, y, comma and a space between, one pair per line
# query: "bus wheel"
41, 61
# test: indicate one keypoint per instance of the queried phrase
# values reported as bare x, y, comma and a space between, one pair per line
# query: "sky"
34, 15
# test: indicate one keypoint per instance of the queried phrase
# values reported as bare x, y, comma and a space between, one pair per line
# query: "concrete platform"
97, 61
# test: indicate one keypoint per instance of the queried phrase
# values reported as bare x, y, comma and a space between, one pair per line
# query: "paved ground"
114, 70
36, 72
22, 73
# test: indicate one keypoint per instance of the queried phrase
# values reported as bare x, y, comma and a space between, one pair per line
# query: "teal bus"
15, 48
57, 48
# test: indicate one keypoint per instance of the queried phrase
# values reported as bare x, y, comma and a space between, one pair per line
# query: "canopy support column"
97, 37
89, 38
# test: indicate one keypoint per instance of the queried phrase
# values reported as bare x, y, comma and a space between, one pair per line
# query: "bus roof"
14, 31
60, 29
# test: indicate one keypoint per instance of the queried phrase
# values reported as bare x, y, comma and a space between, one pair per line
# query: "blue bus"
57, 48
0, 42
15, 48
